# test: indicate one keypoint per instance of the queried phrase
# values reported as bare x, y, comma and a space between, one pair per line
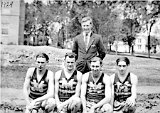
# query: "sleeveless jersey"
95, 91
122, 90
38, 89
67, 87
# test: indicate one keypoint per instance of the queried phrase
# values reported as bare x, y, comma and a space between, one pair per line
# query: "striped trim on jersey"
38, 89
95, 91
122, 90
67, 87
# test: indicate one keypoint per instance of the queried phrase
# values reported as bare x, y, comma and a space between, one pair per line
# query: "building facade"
12, 22
140, 45
141, 41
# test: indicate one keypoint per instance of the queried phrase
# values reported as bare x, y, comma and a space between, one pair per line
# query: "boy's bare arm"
83, 91
79, 81
26, 84
57, 76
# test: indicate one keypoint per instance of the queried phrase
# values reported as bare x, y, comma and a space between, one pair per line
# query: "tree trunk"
129, 49
149, 46
116, 47
132, 52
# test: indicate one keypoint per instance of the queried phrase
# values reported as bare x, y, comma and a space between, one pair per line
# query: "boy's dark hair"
95, 59
125, 59
70, 55
42, 55
86, 18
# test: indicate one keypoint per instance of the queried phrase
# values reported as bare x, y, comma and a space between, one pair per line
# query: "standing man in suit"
87, 45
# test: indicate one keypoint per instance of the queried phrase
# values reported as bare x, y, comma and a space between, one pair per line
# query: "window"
4, 31
5, 28
139, 46
139, 40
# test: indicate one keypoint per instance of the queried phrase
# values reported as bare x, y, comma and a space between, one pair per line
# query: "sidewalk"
137, 55
146, 56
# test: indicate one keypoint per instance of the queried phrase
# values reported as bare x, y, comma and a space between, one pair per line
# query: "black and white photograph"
80, 56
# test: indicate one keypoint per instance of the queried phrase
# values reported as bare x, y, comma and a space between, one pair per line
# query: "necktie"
86, 40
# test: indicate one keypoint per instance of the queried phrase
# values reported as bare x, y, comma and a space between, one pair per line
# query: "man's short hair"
42, 55
95, 59
86, 18
125, 59
70, 55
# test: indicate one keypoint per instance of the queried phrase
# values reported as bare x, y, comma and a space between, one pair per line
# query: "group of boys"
81, 86
68, 91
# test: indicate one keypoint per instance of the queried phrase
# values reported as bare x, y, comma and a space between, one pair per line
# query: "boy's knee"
50, 105
75, 104
107, 108
44, 103
34, 111
27, 110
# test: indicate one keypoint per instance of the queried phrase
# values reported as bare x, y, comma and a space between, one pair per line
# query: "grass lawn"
13, 74
15, 60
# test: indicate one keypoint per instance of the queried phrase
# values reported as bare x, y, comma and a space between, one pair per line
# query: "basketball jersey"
67, 87
95, 91
122, 90
38, 89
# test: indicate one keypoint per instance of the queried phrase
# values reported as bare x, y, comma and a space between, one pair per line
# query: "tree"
114, 25
130, 28
146, 13
107, 17
153, 43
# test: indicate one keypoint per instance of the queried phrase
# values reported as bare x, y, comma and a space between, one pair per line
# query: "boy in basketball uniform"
124, 85
96, 89
39, 86
67, 86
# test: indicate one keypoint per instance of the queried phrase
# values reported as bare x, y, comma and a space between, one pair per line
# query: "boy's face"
41, 63
86, 26
122, 67
69, 63
95, 67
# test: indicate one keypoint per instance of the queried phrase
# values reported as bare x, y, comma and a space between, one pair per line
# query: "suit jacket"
95, 48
